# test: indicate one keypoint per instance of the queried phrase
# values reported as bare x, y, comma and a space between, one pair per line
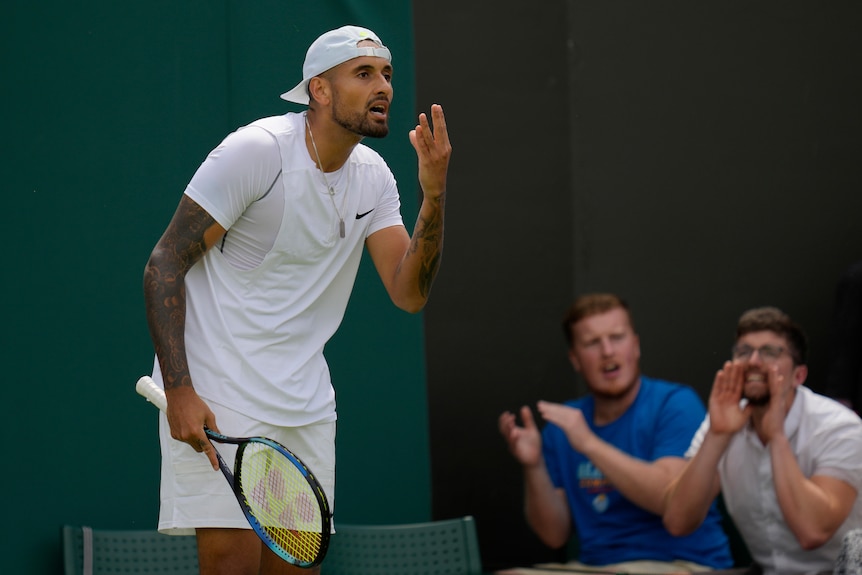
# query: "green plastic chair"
447, 547
88, 551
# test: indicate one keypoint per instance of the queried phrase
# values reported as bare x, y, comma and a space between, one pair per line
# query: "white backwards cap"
331, 49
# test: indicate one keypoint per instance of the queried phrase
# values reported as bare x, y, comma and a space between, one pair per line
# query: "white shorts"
194, 495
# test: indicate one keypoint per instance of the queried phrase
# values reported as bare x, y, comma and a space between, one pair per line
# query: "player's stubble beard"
357, 122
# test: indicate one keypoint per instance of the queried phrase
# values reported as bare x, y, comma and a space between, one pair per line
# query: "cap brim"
298, 94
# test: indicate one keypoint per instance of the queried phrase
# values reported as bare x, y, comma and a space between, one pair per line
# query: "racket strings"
282, 500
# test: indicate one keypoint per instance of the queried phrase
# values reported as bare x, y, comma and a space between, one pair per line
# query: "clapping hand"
571, 420
525, 442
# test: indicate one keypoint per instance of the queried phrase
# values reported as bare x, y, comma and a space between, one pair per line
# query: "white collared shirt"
826, 438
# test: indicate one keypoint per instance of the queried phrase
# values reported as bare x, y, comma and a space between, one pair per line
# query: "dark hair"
592, 304
774, 320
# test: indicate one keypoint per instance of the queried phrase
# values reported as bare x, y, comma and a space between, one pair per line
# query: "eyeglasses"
767, 353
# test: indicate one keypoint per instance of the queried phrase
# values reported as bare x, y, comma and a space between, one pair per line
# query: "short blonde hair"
589, 305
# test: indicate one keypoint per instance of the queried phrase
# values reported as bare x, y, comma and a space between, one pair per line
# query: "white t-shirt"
262, 305
826, 439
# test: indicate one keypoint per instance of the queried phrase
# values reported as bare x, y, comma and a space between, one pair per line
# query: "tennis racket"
280, 497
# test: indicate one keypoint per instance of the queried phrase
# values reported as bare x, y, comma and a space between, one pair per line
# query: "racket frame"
156, 395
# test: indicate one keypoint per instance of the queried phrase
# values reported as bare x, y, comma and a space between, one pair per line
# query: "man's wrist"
777, 438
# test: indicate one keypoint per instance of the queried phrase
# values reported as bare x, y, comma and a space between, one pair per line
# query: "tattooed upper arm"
189, 234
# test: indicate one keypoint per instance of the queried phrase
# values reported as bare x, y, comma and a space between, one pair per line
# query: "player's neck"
333, 143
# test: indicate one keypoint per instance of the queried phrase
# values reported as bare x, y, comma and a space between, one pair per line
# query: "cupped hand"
725, 415
772, 422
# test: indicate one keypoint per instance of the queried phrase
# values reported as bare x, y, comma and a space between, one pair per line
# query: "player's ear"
320, 89
800, 374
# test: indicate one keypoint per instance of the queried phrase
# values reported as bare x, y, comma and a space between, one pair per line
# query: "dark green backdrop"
107, 110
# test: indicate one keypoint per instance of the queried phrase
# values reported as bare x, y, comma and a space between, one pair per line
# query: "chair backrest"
447, 547
88, 551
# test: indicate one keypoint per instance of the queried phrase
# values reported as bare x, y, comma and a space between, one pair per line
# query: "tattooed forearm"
427, 245
181, 246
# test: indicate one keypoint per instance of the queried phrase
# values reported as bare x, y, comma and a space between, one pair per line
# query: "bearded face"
606, 351
761, 350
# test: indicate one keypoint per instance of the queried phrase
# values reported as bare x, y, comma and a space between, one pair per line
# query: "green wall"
107, 110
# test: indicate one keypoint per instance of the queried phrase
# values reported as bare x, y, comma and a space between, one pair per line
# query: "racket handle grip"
154, 394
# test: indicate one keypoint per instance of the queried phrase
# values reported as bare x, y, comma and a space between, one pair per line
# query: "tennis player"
253, 274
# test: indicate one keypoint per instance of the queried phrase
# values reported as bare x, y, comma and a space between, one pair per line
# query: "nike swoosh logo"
360, 216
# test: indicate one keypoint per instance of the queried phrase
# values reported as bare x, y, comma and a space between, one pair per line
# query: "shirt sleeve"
839, 453
697, 440
241, 170
388, 210
677, 422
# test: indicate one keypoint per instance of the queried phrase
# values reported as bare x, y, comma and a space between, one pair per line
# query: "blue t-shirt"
660, 423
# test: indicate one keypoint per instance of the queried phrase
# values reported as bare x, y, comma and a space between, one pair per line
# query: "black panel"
697, 158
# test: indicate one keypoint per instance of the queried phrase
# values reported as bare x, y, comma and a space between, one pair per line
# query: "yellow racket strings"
282, 500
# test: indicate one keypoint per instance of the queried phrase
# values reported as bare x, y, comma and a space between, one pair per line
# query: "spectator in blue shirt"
601, 465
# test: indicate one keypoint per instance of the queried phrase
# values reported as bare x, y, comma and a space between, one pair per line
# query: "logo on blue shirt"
600, 503
593, 480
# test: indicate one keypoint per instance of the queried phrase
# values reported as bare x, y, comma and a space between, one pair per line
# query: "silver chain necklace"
329, 188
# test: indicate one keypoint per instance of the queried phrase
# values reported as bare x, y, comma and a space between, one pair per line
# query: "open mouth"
755, 388
379, 109
610, 368
755, 376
